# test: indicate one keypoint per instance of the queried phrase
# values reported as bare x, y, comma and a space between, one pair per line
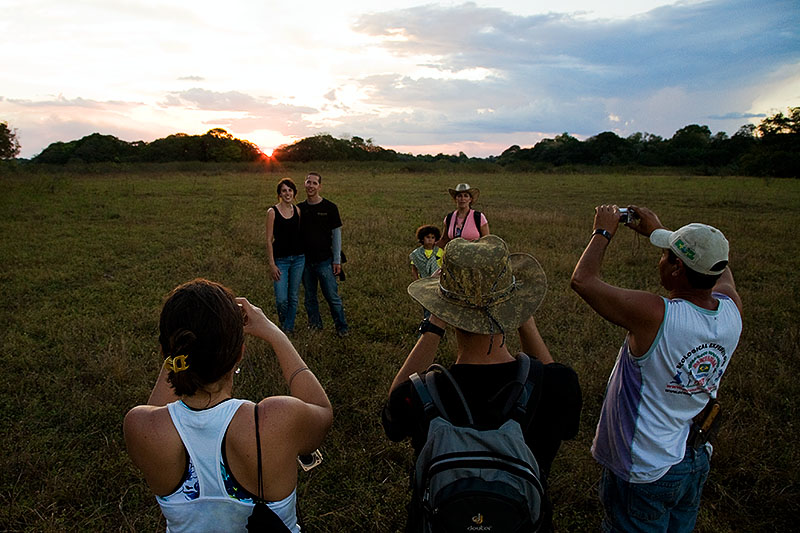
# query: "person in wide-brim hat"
483, 288
465, 221
474, 192
487, 294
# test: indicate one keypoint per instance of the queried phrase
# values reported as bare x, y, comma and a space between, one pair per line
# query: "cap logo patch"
685, 250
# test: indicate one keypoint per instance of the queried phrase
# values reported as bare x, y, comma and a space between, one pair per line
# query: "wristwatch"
426, 327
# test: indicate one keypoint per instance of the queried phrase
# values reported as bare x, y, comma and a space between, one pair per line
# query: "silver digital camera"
626, 215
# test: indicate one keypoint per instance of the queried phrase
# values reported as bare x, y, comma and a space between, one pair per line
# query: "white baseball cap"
702, 248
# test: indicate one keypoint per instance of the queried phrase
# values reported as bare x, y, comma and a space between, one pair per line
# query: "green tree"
608, 148
781, 124
778, 151
94, 148
689, 145
9, 146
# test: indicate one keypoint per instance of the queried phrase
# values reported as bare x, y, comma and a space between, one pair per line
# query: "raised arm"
421, 356
162, 392
639, 312
532, 343
725, 285
309, 416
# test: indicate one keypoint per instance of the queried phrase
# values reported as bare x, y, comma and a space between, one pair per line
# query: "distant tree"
780, 123
563, 150
746, 131
325, 147
511, 151
176, 147
94, 148
57, 153
608, 148
778, 152
9, 146
689, 145
691, 136
648, 149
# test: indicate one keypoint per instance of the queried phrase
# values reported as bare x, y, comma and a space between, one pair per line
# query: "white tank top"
207, 500
651, 400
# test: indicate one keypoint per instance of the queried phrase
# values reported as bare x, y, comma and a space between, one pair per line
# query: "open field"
86, 260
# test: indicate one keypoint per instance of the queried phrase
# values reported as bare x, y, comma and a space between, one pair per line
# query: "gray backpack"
467, 479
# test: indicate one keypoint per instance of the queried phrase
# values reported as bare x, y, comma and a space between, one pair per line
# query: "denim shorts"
669, 504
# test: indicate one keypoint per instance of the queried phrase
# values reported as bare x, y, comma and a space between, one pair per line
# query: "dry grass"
87, 258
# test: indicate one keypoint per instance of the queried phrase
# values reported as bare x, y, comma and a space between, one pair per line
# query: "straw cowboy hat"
464, 187
483, 288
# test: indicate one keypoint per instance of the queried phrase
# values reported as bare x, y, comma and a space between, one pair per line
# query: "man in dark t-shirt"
484, 292
321, 228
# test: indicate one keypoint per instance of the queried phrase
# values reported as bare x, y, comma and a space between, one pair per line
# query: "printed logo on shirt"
699, 370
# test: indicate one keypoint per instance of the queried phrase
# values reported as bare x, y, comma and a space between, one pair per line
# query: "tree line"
771, 148
217, 145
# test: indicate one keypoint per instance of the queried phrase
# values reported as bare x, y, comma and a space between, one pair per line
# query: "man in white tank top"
668, 368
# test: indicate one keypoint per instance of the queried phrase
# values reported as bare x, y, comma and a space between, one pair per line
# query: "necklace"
460, 222
282, 209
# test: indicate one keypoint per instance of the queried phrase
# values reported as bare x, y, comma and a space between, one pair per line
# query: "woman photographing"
285, 253
464, 222
196, 444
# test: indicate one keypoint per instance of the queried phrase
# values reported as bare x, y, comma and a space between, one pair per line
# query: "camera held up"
627, 216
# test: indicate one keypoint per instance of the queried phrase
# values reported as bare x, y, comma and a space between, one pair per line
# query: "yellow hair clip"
176, 364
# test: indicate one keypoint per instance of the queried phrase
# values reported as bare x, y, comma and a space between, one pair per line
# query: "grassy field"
87, 258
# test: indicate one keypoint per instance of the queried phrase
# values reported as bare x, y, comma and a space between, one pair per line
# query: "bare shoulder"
147, 420
143, 415
150, 436
276, 409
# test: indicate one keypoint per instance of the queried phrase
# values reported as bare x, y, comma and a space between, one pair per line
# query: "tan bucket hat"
464, 187
483, 288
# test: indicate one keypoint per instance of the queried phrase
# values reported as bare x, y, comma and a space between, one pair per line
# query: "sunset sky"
417, 77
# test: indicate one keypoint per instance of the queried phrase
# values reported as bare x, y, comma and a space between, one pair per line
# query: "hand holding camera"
644, 220
256, 322
627, 215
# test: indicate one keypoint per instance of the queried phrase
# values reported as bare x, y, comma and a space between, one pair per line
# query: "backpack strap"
428, 407
428, 393
258, 455
447, 220
477, 216
528, 402
525, 392
430, 381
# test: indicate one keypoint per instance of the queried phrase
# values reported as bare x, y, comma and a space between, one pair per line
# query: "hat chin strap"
492, 322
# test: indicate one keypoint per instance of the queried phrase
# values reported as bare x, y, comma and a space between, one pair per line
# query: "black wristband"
603, 232
426, 327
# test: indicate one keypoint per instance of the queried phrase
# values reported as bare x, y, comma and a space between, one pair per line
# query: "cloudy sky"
417, 77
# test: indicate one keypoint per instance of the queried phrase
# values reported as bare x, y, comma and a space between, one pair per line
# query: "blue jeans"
669, 504
322, 273
287, 289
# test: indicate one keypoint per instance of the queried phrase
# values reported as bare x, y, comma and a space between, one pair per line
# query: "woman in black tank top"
285, 253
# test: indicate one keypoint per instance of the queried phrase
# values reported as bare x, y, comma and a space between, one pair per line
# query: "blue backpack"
467, 479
